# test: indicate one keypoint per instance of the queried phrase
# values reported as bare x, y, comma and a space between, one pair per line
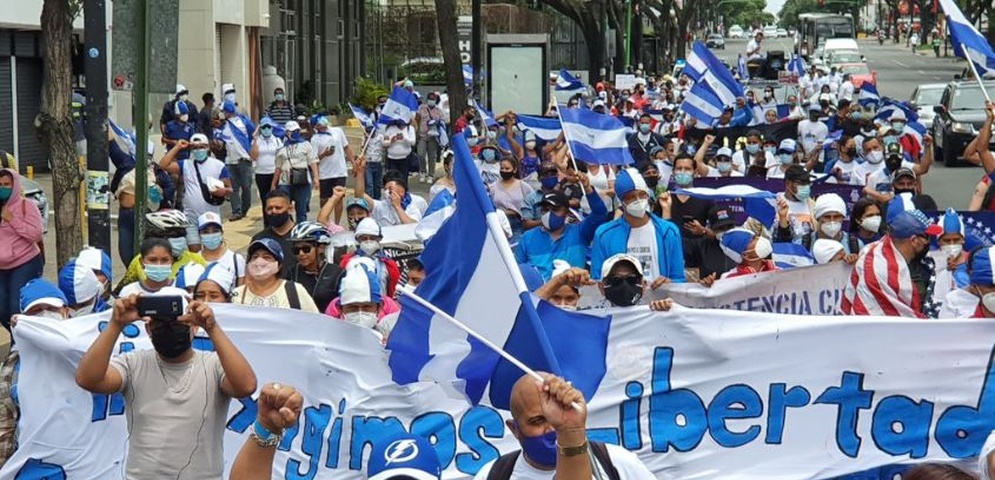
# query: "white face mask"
952, 250
86, 310
875, 156
229, 97
871, 223
763, 248
51, 315
184, 117
638, 208
261, 269
831, 228
370, 246
988, 300
363, 319
569, 308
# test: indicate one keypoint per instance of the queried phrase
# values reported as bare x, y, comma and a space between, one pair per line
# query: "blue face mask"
644, 128
472, 141
691, 149
552, 221
541, 450
898, 126
548, 182
177, 246
158, 273
803, 192
211, 241
5, 193
199, 155
295, 136
266, 132
683, 178
488, 155
855, 115
752, 148
770, 150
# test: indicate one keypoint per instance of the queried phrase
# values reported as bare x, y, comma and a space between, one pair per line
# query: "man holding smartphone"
177, 398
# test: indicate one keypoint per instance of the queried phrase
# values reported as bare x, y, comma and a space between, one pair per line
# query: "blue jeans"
126, 235
374, 179
241, 184
301, 196
11, 282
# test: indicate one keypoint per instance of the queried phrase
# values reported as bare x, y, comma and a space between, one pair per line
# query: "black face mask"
652, 181
851, 152
507, 175
277, 220
893, 164
622, 293
170, 338
814, 117
899, 191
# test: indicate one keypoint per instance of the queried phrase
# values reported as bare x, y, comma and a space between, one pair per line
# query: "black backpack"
502, 468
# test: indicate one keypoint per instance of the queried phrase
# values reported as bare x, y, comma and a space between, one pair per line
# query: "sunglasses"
616, 281
266, 127
305, 249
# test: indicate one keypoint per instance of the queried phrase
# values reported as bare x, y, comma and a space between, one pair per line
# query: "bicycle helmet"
167, 219
310, 232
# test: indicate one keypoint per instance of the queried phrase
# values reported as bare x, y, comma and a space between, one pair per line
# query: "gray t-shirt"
176, 415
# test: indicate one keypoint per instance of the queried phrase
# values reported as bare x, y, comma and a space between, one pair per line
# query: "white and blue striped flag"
401, 105
964, 36
441, 208
472, 275
797, 65
568, 83
544, 128
702, 104
467, 75
704, 67
361, 116
595, 138
744, 71
869, 95
485, 115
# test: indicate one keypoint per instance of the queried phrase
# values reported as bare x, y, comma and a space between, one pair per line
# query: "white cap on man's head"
606, 268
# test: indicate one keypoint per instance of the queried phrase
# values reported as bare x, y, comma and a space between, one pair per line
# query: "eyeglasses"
615, 281
305, 249
266, 127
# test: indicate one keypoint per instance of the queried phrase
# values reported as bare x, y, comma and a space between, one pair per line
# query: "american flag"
881, 284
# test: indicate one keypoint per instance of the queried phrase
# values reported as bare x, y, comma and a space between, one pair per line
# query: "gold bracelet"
572, 451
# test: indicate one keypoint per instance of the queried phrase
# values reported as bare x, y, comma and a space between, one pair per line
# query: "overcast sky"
774, 6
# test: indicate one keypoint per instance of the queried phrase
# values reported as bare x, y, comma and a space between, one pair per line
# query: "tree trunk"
55, 126
595, 40
449, 39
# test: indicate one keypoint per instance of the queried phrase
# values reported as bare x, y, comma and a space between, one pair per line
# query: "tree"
588, 15
55, 124
449, 39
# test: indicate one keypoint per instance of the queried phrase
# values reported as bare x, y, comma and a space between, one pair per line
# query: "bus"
815, 28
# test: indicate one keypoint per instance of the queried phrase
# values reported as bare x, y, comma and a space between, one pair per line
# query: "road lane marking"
900, 64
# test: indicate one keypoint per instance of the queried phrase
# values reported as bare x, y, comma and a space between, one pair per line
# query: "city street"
898, 73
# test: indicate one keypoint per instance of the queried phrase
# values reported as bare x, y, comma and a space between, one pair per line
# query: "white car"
770, 32
736, 31
782, 33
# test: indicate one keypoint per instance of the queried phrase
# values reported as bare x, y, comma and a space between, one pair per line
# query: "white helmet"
310, 232
167, 219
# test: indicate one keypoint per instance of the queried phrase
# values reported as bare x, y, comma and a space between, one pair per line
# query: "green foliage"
744, 13
367, 91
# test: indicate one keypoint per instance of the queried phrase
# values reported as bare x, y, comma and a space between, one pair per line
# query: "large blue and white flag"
472, 275
912, 124
361, 116
964, 36
568, 83
757, 203
704, 66
441, 208
797, 65
702, 104
467, 75
485, 114
744, 71
595, 138
869, 95
544, 128
401, 105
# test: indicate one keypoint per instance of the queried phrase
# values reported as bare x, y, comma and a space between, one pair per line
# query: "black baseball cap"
797, 174
555, 199
719, 218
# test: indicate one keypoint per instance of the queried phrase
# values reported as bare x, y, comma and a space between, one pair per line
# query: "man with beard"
176, 397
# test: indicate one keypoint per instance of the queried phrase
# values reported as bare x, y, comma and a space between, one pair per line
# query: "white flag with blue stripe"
568, 83
544, 128
595, 138
797, 65
702, 104
467, 75
486, 115
401, 105
744, 71
869, 95
704, 66
471, 274
361, 116
964, 36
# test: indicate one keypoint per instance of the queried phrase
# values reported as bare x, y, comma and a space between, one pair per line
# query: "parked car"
715, 41
924, 98
782, 33
770, 31
736, 31
837, 57
860, 73
958, 116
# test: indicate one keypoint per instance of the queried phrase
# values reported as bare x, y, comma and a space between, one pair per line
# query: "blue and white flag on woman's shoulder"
595, 138
401, 105
544, 128
964, 36
472, 275
361, 116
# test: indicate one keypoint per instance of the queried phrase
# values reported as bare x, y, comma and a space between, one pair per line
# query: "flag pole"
570, 150
974, 70
462, 326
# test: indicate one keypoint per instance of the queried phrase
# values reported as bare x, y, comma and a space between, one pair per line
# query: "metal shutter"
218, 80
6, 107
29, 78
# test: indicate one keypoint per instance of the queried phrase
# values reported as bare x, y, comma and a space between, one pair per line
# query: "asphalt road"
899, 71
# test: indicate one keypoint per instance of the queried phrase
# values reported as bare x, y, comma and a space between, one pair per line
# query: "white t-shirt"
753, 50
799, 217
642, 245
386, 216
211, 170
811, 135
846, 91
234, 262
847, 168
331, 166
235, 150
863, 170
266, 160
133, 288
277, 299
775, 172
627, 463
715, 173
879, 177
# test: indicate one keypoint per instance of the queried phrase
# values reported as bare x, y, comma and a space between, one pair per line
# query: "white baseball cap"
613, 260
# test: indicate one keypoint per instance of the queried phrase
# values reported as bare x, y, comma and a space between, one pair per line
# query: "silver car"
924, 98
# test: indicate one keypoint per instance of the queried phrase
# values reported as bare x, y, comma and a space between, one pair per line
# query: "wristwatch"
572, 451
263, 437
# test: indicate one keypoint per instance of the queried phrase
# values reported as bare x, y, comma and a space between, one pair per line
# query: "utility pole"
95, 124
628, 34
140, 108
475, 49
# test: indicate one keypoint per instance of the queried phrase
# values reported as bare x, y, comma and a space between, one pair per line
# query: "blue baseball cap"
735, 242
952, 223
268, 244
267, 121
97, 260
912, 223
627, 181
41, 292
78, 283
358, 202
983, 267
403, 455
